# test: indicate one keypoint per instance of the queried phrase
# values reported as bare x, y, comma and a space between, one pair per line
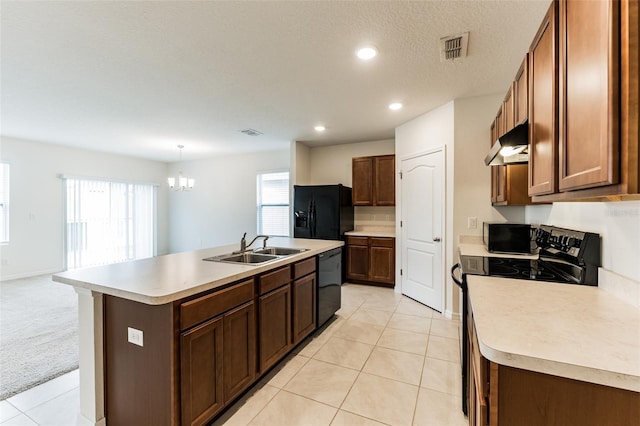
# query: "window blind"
273, 203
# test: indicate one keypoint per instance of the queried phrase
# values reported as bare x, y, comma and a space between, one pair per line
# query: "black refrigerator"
322, 211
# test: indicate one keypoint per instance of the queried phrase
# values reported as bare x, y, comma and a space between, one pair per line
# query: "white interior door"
422, 213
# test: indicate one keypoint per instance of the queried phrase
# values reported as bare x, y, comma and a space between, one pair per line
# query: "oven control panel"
567, 243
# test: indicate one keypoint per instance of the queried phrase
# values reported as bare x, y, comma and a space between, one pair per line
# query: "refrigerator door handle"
313, 218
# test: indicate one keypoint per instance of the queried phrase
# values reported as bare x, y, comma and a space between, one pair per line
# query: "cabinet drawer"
274, 279
195, 311
304, 267
382, 242
357, 241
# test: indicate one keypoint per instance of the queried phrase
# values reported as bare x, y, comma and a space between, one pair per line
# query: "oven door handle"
454, 277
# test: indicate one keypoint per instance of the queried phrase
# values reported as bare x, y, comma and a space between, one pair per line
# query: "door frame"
400, 243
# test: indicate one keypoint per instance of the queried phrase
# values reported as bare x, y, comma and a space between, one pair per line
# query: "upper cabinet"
373, 181
509, 183
543, 106
583, 102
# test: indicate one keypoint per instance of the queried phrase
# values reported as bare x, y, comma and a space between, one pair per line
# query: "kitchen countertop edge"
213, 275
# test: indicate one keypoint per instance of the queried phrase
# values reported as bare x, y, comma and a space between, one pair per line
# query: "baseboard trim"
28, 274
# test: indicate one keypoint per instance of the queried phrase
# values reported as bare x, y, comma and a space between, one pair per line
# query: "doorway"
422, 186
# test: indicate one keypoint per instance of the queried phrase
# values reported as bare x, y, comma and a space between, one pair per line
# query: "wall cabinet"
371, 260
583, 89
373, 180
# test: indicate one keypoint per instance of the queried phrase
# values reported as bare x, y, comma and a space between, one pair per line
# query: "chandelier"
184, 183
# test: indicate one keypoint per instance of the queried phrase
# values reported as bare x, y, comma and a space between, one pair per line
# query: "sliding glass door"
108, 222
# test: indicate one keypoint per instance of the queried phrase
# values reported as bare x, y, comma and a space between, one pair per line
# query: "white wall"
36, 212
331, 165
618, 223
300, 164
222, 205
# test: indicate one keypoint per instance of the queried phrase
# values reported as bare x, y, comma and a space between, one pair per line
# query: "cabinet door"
494, 137
384, 180
357, 258
521, 92
304, 307
508, 109
588, 94
543, 106
239, 350
382, 260
274, 312
362, 181
201, 355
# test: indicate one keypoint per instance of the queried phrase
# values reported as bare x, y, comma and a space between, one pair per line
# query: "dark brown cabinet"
521, 92
274, 319
303, 299
373, 181
371, 260
583, 86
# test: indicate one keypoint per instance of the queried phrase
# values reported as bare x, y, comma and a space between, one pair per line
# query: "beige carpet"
38, 332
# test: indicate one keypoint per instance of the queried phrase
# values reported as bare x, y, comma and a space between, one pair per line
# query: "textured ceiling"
140, 77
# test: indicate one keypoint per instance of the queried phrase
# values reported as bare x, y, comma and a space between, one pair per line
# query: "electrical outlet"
472, 222
135, 336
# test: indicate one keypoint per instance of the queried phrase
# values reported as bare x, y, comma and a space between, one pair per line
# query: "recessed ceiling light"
367, 53
319, 128
395, 106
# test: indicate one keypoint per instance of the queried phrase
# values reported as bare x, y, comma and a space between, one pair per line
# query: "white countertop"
373, 231
572, 331
164, 279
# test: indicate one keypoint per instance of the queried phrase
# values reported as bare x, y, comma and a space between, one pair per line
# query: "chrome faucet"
243, 242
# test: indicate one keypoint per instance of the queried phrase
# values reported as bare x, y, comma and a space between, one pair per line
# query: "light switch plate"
135, 336
472, 222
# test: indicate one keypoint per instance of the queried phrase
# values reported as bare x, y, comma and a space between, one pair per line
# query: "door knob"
436, 239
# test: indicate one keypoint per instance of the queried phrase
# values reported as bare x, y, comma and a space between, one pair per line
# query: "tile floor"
385, 359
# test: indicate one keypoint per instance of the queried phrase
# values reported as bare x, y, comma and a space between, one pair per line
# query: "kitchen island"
174, 339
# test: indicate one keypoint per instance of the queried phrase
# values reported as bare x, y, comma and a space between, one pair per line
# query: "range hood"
510, 148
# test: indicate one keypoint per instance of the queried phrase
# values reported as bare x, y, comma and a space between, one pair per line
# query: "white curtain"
108, 222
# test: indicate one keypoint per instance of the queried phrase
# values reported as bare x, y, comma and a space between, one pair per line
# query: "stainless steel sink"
280, 251
248, 257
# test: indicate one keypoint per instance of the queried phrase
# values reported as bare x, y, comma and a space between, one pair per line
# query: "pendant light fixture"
184, 183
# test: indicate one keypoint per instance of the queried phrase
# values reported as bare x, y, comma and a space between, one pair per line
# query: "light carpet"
38, 332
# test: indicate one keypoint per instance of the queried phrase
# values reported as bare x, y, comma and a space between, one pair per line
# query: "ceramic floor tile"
42, 393
248, 407
20, 420
444, 328
442, 376
404, 341
371, 316
289, 409
410, 307
345, 353
382, 399
344, 418
401, 366
7, 411
438, 409
323, 382
359, 331
410, 323
444, 348
345, 310
61, 410
285, 371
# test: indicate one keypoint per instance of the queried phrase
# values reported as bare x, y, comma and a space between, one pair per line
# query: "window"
108, 222
4, 203
273, 204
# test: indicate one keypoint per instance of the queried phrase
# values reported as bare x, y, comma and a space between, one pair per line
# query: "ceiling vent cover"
454, 47
251, 132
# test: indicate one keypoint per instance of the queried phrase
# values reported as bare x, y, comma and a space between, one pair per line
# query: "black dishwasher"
328, 297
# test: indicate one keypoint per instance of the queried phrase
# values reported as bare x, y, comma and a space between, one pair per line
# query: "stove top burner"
507, 267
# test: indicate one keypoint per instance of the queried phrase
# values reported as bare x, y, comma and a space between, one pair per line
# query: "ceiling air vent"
251, 132
454, 47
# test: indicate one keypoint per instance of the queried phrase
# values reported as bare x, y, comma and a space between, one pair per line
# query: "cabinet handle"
436, 239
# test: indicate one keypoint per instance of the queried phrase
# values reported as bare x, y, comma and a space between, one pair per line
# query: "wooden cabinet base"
536, 399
